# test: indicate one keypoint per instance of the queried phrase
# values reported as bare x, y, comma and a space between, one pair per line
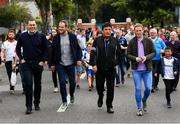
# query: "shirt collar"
31, 33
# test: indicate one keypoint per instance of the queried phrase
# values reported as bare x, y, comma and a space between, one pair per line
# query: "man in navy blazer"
66, 54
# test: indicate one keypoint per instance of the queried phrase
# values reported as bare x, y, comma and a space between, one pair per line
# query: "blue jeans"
120, 73
146, 76
63, 73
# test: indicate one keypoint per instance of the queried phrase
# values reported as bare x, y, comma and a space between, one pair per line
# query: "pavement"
84, 110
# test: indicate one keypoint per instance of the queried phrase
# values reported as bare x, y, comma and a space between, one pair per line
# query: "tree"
101, 10
154, 12
13, 14
44, 6
111, 9
162, 16
60, 10
84, 9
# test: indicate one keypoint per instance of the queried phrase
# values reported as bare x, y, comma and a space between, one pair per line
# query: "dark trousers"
109, 76
32, 72
20, 70
63, 73
177, 76
8, 66
54, 78
156, 69
169, 88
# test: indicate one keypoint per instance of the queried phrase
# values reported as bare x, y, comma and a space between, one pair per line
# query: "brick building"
4, 2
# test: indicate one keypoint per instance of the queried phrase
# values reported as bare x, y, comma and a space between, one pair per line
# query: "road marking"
62, 108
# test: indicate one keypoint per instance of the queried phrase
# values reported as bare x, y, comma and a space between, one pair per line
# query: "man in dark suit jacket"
66, 54
32, 51
104, 57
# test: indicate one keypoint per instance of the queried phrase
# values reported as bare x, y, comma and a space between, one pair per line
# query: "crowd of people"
106, 55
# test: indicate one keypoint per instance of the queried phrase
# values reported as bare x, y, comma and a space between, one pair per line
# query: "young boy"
89, 71
169, 68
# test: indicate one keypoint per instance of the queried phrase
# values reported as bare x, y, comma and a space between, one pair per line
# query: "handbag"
13, 78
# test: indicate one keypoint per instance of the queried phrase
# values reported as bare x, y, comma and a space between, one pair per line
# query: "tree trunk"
44, 16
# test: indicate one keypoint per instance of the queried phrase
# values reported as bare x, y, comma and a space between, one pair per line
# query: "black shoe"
156, 88
152, 91
28, 111
118, 84
123, 81
100, 102
90, 89
110, 110
174, 89
78, 87
72, 99
169, 105
36, 107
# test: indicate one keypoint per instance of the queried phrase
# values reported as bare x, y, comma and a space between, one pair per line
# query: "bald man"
175, 46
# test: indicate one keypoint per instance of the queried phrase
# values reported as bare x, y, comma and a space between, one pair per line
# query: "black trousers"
54, 78
8, 66
177, 76
156, 68
109, 76
169, 88
20, 70
32, 74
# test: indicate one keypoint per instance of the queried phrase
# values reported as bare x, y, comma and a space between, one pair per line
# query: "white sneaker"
139, 112
64, 105
55, 90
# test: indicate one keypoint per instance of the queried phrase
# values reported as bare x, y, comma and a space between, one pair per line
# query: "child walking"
89, 71
169, 68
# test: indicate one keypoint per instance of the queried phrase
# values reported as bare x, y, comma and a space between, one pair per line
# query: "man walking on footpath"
7, 54
104, 58
66, 54
32, 52
140, 51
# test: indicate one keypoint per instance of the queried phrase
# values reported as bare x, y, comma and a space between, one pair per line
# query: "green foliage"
62, 9
44, 6
11, 15
145, 11
154, 11
119, 3
38, 20
3, 36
